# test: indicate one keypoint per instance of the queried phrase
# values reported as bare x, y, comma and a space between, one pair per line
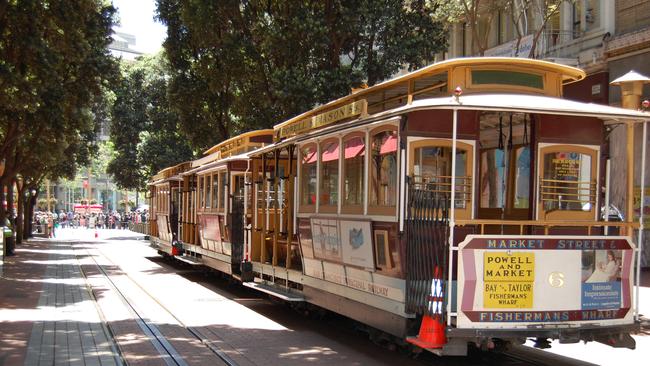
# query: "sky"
136, 17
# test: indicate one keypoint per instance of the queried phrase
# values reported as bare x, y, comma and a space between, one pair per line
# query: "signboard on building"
509, 49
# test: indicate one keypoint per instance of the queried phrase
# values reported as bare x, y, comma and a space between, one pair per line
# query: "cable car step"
274, 291
189, 260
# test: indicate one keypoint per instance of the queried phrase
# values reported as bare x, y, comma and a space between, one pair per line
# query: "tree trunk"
20, 229
29, 218
10, 204
3, 210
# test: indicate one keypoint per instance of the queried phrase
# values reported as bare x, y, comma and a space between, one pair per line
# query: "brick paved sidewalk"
47, 316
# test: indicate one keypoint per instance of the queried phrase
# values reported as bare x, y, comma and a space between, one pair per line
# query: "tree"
145, 130
53, 63
477, 15
240, 66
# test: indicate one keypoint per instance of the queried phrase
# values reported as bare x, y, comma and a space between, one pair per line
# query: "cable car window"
208, 191
354, 151
522, 177
567, 183
432, 172
508, 77
215, 191
383, 169
201, 192
329, 178
222, 189
492, 188
309, 157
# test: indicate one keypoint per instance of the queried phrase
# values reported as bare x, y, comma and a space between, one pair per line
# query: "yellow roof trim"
244, 135
569, 74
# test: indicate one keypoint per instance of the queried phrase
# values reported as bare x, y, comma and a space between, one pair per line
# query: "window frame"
466, 145
322, 207
302, 207
348, 208
568, 215
511, 191
379, 209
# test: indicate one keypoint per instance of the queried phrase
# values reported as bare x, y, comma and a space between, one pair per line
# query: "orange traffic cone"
432, 333
96, 234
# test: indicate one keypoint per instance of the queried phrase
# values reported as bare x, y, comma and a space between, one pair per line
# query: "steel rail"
154, 334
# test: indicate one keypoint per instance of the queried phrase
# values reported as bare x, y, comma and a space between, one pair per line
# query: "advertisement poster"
601, 279
534, 279
325, 238
210, 228
566, 166
508, 279
357, 243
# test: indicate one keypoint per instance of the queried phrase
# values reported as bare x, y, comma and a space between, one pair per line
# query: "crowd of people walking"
47, 222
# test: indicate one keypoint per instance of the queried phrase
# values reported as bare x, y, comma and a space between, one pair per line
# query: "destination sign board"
518, 281
360, 107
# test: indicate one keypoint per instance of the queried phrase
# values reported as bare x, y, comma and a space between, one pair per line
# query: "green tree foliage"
53, 64
144, 131
243, 65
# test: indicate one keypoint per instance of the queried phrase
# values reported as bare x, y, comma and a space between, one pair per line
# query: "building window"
308, 160
354, 155
329, 178
383, 170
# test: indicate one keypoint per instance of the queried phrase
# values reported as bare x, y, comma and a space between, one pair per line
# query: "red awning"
354, 148
389, 146
309, 158
331, 153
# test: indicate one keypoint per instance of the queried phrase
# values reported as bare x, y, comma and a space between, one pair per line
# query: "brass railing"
441, 184
568, 192
548, 225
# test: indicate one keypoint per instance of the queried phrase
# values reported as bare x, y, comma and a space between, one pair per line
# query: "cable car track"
517, 356
166, 350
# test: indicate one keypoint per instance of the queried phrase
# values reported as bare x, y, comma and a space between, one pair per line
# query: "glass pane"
208, 191
567, 182
492, 178
309, 157
507, 78
215, 191
383, 169
354, 168
238, 190
432, 169
329, 179
522, 177
202, 191
222, 184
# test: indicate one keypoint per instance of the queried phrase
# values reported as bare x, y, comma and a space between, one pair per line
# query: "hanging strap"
526, 129
500, 147
510, 137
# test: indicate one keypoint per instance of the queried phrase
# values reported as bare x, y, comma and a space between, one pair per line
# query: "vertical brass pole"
265, 210
276, 208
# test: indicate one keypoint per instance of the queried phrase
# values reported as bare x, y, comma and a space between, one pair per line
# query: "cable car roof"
528, 103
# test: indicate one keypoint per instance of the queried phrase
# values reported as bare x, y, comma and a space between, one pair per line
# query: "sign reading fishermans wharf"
358, 108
